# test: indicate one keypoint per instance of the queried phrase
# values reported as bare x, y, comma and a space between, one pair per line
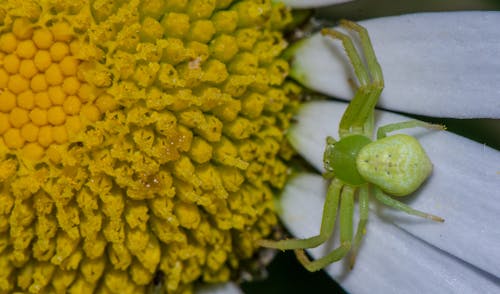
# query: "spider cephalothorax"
396, 165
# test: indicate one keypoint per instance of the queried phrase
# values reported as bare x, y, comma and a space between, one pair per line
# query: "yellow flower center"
43, 99
138, 139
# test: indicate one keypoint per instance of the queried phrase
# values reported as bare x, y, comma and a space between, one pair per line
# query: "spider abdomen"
397, 164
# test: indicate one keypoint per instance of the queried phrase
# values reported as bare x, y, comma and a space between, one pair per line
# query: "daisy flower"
142, 142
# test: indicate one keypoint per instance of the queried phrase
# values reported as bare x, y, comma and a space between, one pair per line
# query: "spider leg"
383, 130
329, 149
371, 59
345, 219
363, 77
369, 125
327, 223
360, 110
364, 205
391, 202
375, 71
357, 63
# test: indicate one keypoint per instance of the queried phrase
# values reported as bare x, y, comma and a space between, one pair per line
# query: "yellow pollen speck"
11, 63
62, 31
30, 132
56, 115
59, 134
75, 47
18, 117
26, 49
201, 150
43, 38
176, 24
42, 60
105, 102
13, 138
22, 28
53, 75
38, 116
86, 93
69, 66
7, 100
57, 95
26, 100
201, 31
72, 105
188, 214
17, 84
27, 68
45, 136
58, 51
71, 85
33, 151
90, 112
38, 83
8, 42
54, 153
42, 100
73, 125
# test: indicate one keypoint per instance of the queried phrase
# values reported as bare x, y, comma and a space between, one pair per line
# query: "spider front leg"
345, 220
358, 117
327, 223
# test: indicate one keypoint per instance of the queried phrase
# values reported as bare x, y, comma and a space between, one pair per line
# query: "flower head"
137, 139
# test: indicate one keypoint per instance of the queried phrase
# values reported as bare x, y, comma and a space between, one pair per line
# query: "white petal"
309, 3
436, 64
464, 187
222, 288
390, 260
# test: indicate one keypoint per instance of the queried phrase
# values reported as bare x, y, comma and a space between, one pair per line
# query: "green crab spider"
392, 165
